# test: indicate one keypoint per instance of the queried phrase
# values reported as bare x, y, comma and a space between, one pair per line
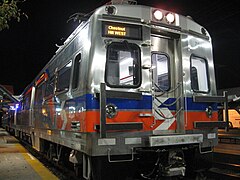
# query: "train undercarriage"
175, 162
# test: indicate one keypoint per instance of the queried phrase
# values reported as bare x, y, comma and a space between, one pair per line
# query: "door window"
161, 73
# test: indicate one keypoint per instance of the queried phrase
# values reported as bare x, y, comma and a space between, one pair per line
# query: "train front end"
153, 102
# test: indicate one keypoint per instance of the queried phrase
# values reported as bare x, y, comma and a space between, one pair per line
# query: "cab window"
123, 65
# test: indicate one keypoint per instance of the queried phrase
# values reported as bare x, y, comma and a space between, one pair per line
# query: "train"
131, 94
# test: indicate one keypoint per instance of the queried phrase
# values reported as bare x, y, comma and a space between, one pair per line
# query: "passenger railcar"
130, 94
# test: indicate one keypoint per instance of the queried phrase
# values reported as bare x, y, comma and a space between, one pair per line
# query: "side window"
26, 101
50, 86
76, 70
39, 94
199, 74
64, 77
123, 67
161, 73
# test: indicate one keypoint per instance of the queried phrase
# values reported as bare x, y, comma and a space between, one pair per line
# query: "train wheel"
76, 159
51, 152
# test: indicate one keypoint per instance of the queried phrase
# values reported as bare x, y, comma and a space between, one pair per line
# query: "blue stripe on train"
168, 104
193, 106
145, 103
91, 102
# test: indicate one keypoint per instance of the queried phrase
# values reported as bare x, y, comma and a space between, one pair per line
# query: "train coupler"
168, 163
175, 165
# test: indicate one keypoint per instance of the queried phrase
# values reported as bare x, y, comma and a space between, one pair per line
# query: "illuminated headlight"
158, 15
111, 110
170, 18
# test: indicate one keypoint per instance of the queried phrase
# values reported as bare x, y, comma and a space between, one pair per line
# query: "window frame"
57, 78
40, 87
207, 74
169, 68
76, 77
139, 73
26, 102
50, 80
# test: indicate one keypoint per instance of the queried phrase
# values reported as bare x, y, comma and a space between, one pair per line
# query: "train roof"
144, 15
137, 14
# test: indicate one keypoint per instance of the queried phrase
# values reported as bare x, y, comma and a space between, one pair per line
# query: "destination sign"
118, 30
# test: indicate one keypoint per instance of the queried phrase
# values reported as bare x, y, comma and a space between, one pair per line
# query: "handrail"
103, 127
171, 104
225, 94
173, 116
164, 91
205, 152
216, 99
103, 103
121, 160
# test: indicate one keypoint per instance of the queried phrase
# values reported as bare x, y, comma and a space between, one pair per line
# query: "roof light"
158, 15
111, 10
170, 17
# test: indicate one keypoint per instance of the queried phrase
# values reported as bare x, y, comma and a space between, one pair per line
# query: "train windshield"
123, 65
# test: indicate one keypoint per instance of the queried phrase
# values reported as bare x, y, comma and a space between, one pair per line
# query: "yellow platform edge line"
20, 148
42, 171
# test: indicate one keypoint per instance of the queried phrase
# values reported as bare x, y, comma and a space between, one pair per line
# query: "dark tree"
9, 11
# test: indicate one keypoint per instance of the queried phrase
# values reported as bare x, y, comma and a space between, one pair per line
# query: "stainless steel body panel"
179, 40
175, 140
203, 48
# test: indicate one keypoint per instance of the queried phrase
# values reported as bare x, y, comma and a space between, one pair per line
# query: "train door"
26, 109
167, 81
31, 110
63, 111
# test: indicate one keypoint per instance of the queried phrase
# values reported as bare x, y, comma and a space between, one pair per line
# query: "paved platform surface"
17, 163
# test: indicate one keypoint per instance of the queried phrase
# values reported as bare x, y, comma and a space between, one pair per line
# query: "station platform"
229, 142
17, 163
224, 148
232, 136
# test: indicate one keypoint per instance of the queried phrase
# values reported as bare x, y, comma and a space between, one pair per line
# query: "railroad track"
225, 166
224, 171
230, 137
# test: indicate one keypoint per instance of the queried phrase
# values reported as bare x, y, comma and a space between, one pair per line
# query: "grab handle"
122, 160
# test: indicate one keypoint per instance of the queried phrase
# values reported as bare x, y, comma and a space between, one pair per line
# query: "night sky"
28, 45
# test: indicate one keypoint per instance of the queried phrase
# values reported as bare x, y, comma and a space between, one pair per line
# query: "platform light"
170, 17
16, 106
158, 15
